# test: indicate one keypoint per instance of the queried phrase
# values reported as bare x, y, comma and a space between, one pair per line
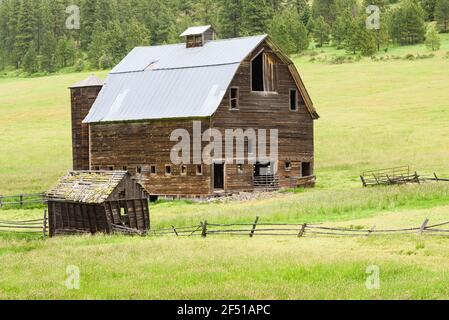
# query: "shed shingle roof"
86, 187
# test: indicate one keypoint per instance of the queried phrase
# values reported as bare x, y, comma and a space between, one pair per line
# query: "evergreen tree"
432, 39
136, 34
326, 9
257, 15
29, 63
429, 8
65, 53
288, 31
407, 23
48, 57
97, 45
342, 27
353, 37
231, 19
321, 31
442, 14
88, 20
25, 28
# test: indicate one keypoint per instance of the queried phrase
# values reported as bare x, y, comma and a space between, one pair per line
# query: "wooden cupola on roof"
198, 36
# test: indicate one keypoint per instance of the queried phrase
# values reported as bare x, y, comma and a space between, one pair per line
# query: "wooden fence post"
371, 230
44, 229
254, 227
417, 178
204, 231
363, 181
174, 230
1, 201
423, 227
302, 230
21, 200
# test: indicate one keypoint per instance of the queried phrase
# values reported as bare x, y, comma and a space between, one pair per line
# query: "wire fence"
205, 229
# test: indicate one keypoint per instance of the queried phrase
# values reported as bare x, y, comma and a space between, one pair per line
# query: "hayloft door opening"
218, 176
263, 73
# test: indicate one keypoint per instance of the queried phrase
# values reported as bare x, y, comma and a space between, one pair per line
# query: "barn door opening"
218, 176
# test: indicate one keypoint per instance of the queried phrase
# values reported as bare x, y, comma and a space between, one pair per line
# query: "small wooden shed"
97, 201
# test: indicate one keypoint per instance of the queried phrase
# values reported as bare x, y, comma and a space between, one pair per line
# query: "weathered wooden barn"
225, 84
101, 201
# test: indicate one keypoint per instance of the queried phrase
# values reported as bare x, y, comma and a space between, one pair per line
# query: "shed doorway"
218, 176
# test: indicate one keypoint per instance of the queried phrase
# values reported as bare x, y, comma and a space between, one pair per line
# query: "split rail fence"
22, 200
35, 226
398, 175
205, 229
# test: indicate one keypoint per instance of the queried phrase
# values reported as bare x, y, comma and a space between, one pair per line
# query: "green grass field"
374, 114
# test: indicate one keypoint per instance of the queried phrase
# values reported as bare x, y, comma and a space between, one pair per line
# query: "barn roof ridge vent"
194, 31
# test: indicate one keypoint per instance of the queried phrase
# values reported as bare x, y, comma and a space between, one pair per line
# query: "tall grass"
309, 207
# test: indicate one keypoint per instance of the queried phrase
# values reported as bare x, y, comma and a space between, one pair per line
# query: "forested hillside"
34, 36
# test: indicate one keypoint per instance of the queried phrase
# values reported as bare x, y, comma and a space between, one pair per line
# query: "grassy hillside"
35, 132
373, 114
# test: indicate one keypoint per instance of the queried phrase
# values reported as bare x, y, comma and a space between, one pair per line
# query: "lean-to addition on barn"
243, 83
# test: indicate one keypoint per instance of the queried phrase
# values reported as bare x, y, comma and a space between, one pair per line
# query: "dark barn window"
263, 73
153, 169
199, 170
183, 170
306, 169
288, 166
234, 99
168, 170
257, 73
139, 169
293, 100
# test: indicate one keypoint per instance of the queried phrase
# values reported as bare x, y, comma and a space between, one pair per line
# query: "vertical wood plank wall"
82, 100
260, 110
146, 144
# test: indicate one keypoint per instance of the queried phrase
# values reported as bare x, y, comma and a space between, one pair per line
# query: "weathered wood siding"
144, 144
82, 100
77, 217
260, 110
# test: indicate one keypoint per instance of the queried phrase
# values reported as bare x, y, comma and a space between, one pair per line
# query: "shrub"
337, 60
105, 61
79, 65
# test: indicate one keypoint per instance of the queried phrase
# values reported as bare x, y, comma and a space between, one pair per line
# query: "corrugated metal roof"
195, 31
171, 81
162, 94
178, 56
